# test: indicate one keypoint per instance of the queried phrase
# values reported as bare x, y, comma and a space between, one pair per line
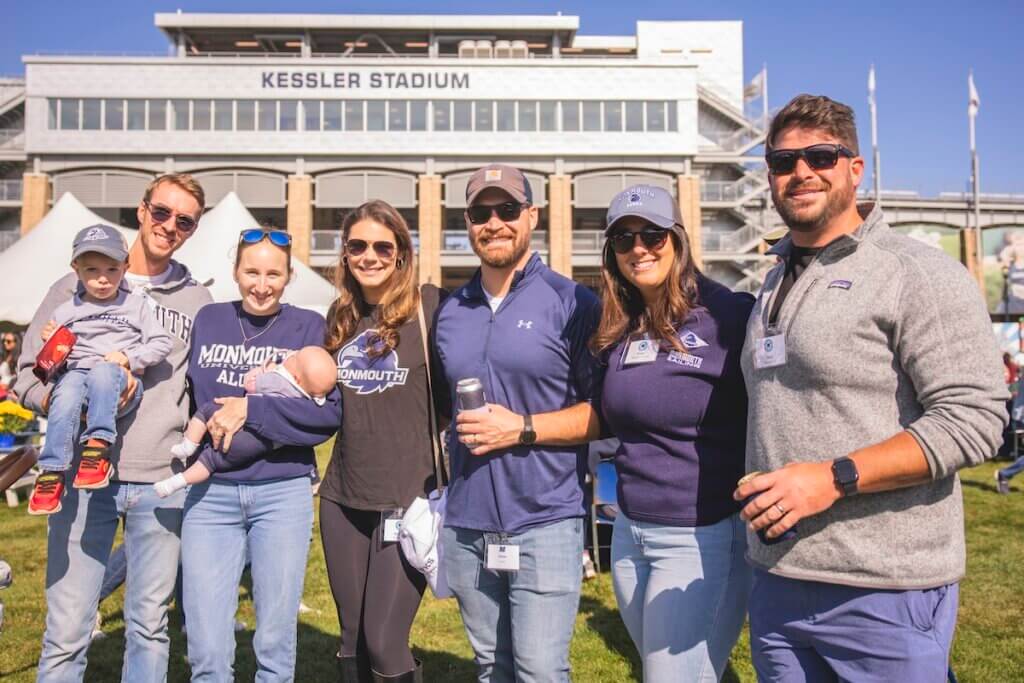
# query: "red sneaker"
95, 470
46, 493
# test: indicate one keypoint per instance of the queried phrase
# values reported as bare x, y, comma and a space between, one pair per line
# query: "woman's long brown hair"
623, 311
397, 305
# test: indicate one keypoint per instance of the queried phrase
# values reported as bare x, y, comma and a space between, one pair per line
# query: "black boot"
414, 676
354, 669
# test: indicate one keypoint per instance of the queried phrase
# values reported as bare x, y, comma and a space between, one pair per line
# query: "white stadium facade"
306, 116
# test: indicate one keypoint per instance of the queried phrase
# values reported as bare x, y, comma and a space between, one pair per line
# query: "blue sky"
921, 51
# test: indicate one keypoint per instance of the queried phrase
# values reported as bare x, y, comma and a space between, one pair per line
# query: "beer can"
469, 393
761, 535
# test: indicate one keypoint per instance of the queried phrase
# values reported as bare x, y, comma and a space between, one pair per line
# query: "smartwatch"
845, 475
527, 437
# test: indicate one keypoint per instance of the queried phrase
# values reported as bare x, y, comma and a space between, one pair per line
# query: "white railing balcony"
587, 241
12, 138
8, 237
732, 191
10, 190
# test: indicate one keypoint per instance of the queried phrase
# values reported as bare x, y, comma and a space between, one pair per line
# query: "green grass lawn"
989, 644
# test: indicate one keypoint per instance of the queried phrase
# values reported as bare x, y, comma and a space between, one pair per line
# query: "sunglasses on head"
161, 214
818, 157
651, 236
481, 213
278, 238
383, 250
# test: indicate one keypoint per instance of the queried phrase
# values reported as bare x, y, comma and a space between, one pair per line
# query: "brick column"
431, 221
560, 224
35, 199
300, 215
688, 195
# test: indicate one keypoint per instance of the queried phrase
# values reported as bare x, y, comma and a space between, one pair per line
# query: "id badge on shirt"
769, 351
391, 523
500, 553
641, 351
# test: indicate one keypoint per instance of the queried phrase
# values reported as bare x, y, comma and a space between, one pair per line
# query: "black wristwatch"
845, 475
527, 437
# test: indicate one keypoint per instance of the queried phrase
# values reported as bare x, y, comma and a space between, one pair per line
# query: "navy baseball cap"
650, 202
101, 239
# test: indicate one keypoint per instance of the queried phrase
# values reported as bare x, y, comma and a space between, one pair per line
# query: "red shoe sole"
43, 513
97, 485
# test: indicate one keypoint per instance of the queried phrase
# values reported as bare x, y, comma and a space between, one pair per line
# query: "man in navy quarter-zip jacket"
514, 528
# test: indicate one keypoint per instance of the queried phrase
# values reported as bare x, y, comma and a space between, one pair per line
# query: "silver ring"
782, 510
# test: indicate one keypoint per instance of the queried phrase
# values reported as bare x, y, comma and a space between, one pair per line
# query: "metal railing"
587, 241
10, 190
12, 138
738, 190
8, 237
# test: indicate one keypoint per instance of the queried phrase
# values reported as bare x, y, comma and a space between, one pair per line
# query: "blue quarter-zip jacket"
532, 357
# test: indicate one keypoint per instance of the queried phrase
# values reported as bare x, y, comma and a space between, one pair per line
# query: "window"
528, 116
548, 115
442, 115
613, 117
179, 116
591, 116
136, 111
288, 115
158, 114
418, 115
673, 123
311, 115
375, 115
201, 114
634, 116
223, 115
332, 115
398, 115
92, 114
571, 115
267, 115
69, 114
52, 111
506, 115
113, 114
463, 116
483, 117
656, 116
245, 114
354, 115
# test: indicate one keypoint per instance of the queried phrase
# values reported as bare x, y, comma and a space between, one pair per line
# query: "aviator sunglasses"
819, 157
278, 238
651, 236
481, 213
161, 214
383, 250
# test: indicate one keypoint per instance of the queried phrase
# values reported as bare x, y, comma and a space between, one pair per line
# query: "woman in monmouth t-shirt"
382, 458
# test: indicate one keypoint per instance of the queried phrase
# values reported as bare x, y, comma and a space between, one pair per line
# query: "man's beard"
504, 258
836, 202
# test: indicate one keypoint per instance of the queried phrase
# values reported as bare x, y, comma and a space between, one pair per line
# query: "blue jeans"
519, 623
1015, 468
79, 539
274, 520
682, 593
100, 389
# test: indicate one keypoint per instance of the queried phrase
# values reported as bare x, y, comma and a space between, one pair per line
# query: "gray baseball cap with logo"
101, 239
649, 202
506, 178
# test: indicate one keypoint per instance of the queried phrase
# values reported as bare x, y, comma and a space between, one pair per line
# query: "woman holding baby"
265, 398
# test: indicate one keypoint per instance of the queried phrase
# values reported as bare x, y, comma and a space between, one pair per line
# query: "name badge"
392, 526
500, 554
641, 351
770, 352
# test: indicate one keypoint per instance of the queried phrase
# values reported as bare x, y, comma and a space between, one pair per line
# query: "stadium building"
307, 116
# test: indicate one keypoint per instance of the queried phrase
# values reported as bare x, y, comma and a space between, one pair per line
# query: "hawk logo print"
365, 375
95, 234
692, 341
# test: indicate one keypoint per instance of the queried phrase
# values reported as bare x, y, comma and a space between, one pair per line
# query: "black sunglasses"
481, 213
651, 236
384, 250
279, 238
818, 157
162, 214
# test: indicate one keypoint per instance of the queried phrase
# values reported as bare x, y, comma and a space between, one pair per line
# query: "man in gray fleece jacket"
82, 533
873, 376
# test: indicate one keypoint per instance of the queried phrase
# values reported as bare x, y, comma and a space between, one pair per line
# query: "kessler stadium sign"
352, 80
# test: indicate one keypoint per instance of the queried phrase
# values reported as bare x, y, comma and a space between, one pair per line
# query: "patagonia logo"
840, 284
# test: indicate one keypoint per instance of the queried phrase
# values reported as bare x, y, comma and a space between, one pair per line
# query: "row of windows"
363, 115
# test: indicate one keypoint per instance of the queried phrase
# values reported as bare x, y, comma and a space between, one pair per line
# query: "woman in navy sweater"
263, 506
674, 396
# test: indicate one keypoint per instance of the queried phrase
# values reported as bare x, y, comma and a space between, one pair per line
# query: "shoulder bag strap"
435, 438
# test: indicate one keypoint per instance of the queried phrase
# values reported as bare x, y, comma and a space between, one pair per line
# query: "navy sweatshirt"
532, 357
682, 418
217, 366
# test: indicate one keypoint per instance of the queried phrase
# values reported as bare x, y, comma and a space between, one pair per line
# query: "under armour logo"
528, 324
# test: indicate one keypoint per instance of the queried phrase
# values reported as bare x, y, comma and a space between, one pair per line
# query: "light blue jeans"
100, 389
519, 623
682, 593
78, 544
274, 520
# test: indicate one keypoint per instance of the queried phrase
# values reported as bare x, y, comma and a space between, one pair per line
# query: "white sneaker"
97, 629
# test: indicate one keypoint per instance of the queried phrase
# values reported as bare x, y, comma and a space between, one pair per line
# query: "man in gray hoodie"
82, 533
873, 376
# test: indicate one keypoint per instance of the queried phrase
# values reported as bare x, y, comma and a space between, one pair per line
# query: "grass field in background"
989, 644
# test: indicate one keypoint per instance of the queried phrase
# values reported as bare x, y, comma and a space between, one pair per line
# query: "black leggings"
375, 589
